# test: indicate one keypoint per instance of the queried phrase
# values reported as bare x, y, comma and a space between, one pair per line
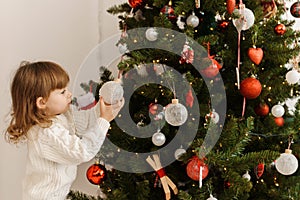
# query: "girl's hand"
109, 112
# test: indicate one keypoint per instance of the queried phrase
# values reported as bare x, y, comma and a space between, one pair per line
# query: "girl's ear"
41, 103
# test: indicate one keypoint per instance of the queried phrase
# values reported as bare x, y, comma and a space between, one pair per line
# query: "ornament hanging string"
197, 3
239, 51
165, 180
200, 177
244, 106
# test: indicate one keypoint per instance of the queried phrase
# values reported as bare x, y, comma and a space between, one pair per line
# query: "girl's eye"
63, 92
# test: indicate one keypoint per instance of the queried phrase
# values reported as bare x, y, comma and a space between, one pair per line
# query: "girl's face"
58, 101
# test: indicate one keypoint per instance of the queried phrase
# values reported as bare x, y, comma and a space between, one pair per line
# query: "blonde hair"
32, 80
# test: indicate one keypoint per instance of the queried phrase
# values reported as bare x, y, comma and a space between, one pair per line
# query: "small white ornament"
292, 76
291, 104
246, 19
158, 138
287, 163
176, 114
179, 23
247, 176
112, 92
277, 110
122, 48
179, 152
151, 34
211, 197
214, 116
192, 20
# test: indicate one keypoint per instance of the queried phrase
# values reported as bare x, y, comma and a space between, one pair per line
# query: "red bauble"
212, 70
295, 9
227, 184
279, 121
250, 88
193, 168
262, 109
255, 55
153, 108
96, 173
230, 5
280, 29
168, 10
135, 3
259, 170
223, 24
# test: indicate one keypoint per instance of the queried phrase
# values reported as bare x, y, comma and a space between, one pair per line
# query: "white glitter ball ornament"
292, 76
277, 110
176, 114
151, 34
245, 20
192, 20
287, 163
112, 92
158, 138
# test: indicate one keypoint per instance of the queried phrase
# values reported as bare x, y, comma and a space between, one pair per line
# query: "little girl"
41, 115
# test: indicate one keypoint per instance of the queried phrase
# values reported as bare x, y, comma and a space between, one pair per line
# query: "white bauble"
176, 114
287, 163
277, 110
151, 34
179, 152
211, 197
112, 92
123, 48
246, 19
292, 76
158, 138
214, 117
192, 20
247, 176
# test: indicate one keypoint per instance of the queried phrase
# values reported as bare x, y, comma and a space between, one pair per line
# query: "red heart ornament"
255, 55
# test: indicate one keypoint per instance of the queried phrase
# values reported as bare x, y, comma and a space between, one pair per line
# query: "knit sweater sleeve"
58, 145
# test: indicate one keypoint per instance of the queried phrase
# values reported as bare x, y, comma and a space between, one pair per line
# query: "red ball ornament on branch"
96, 174
280, 29
250, 88
212, 70
279, 121
295, 9
193, 168
168, 10
262, 109
135, 3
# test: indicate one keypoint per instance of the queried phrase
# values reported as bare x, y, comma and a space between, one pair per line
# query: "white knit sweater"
55, 152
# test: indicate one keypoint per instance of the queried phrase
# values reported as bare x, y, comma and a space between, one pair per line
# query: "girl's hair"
32, 80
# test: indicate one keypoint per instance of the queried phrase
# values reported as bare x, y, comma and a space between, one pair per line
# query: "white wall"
63, 31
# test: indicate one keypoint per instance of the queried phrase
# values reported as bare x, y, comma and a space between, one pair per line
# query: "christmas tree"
211, 102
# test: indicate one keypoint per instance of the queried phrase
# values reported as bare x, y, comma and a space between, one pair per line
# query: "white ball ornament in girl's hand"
112, 92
